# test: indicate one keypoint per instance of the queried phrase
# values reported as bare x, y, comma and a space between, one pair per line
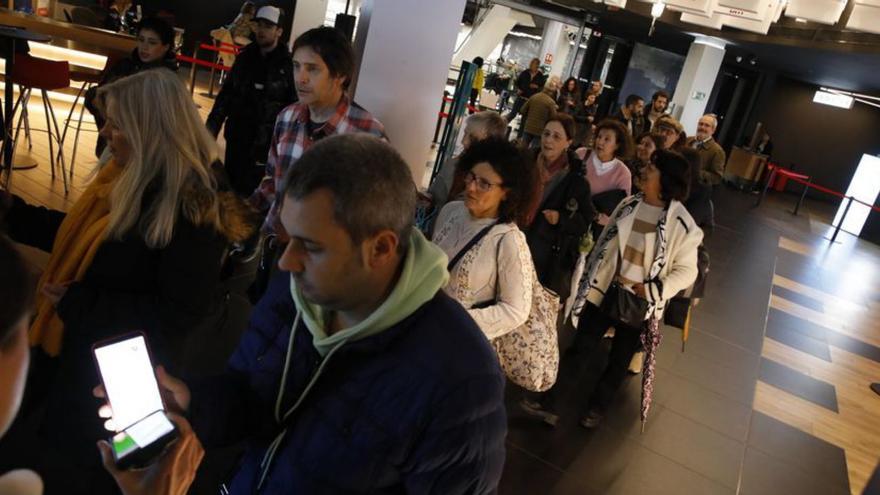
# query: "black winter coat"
554, 248
126, 67
256, 90
172, 294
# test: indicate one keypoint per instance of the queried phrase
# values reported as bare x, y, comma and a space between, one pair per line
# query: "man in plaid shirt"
323, 65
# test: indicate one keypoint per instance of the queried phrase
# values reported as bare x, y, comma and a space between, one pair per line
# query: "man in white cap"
257, 88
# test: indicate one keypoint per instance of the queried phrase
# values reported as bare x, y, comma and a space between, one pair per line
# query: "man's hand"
171, 474
174, 392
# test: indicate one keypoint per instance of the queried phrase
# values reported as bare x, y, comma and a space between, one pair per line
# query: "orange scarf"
78, 239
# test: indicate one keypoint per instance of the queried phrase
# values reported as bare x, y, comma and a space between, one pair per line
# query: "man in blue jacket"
357, 374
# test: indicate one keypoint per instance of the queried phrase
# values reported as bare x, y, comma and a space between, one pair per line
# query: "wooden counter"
72, 36
744, 167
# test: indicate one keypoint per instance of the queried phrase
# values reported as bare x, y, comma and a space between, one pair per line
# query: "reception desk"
80, 45
745, 168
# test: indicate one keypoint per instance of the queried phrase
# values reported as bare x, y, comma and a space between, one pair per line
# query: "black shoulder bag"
622, 305
467, 247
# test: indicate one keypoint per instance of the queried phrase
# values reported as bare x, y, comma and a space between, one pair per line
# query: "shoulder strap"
473, 242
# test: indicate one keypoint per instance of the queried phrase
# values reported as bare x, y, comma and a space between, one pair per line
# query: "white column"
696, 82
550, 40
407, 45
307, 14
489, 33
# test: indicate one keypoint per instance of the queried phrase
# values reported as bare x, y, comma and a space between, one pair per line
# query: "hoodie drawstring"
269, 456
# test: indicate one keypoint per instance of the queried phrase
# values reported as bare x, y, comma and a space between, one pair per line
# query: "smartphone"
126, 370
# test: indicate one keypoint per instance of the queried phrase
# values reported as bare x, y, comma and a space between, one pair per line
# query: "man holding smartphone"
357, 374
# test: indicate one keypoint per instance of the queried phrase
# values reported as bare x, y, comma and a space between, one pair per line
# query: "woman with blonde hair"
141, 249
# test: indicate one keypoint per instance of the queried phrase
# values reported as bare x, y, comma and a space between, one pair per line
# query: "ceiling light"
833, 99
798, 19
657, 9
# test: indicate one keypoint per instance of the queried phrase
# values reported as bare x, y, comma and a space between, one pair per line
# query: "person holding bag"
492, 275
645, 255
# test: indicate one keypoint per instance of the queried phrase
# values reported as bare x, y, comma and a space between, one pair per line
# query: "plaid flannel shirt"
291, 139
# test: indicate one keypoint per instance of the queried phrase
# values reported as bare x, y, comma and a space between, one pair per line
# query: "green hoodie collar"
422, 275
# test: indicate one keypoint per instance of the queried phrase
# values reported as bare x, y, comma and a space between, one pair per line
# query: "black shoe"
537, 410
876, 387
592, 419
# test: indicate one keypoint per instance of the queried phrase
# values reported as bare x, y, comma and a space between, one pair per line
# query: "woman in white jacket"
492, 278
650, 248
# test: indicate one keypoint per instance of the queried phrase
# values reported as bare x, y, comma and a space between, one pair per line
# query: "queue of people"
370, 363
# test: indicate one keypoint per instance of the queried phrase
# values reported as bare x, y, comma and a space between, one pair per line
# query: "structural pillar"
489, 33
307, 14
696, 82
404, 48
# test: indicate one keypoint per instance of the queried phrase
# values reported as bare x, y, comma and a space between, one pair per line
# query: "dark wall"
199, 17
821, 141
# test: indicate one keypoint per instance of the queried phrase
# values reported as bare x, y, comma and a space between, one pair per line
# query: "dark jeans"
592, 325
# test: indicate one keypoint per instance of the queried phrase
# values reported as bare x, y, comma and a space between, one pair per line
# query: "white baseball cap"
269, 13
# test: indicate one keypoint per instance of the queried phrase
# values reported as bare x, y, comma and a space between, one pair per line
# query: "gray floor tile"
812, 454
799, 341
798, 298
767, 475
524, 473
795, 382
693, 445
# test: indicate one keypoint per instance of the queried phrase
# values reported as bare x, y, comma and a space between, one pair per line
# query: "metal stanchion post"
192, 71
803, 195
766, 186
842, 218
213, 70
439, 117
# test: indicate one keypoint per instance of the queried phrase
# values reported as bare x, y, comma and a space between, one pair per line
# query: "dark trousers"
517, 104
592, 325
244, 172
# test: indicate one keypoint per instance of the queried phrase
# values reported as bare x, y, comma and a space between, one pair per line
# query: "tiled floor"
770, 395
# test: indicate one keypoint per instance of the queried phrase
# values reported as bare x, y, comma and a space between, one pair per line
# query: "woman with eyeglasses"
565, 210
490, 265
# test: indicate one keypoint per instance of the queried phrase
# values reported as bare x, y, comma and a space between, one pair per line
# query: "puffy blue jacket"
417, 408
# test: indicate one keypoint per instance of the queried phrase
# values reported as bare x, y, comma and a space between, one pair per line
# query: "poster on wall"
650, 70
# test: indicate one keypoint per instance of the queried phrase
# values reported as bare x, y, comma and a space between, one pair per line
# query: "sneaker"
534, 408
592, 419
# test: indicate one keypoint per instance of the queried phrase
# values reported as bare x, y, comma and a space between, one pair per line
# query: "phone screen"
128, 377
141, 434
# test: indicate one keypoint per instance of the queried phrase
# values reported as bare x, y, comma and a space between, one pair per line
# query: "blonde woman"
140, 250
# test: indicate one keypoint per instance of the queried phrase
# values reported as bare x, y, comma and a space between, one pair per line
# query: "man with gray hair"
712, 156
357, 374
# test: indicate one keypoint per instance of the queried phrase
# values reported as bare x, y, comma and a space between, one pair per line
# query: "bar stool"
46, 75
88, 78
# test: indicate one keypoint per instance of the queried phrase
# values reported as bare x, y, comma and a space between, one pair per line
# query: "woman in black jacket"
141, 250
565, 210
155, 49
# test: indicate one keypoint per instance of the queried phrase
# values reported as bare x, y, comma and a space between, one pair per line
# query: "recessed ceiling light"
798, 19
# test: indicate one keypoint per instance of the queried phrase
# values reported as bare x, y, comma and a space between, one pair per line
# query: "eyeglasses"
482, 184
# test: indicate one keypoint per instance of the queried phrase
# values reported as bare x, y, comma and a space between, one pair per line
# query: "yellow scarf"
78, 239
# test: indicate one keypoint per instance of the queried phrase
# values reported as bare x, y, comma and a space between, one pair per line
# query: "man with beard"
259, 85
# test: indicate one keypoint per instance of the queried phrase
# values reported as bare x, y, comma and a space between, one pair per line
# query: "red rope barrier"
800, 178
191, 60
206, 46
